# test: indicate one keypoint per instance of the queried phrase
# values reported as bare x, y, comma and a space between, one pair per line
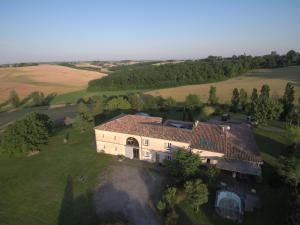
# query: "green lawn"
273, 194
46, 188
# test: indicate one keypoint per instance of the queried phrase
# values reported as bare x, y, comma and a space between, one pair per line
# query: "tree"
98, 108
136, 102
265, 91
84, 119
192, 102
288, 101
27, 134
243, 99
293, 134
197, 193
235, 100
290, 171
274, 109
118, 103
14, 99
267, 109
170, 197
150, 103
170, 102
212, 98
254, 101
161, 205
184, 164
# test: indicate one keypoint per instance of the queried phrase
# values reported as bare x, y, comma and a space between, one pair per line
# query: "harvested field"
275, 78
45, 78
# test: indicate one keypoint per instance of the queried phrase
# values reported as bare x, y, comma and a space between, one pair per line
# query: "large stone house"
230, 148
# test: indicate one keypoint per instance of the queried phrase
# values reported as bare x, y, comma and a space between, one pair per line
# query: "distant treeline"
80, 68
19, 65
189, 72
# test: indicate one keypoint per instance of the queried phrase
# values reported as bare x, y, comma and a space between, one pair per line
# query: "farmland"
44, 78
275, 78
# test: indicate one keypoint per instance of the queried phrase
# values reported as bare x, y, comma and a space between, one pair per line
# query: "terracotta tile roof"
237, 144
146, 126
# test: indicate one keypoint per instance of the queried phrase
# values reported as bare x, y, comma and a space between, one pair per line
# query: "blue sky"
35, 30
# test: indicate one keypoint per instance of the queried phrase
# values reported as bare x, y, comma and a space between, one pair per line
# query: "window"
115, 138
168, 145
104, 146
169, 157
147, 154
102, 135
146, 142
116, 148
208, 161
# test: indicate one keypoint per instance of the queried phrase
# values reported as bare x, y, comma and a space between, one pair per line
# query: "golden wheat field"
275, 78
45, 78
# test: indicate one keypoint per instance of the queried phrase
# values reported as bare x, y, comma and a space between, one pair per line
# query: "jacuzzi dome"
229, 205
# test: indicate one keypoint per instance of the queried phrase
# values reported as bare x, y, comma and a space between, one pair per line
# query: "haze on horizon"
37, 31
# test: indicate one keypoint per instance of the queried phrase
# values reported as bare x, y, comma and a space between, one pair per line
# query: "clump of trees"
187, 169
84, 120
189, 72
27, 134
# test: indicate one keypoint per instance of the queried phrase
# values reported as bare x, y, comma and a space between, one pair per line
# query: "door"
136, 153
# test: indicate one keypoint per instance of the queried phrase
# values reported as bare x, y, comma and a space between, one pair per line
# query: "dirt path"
129, 191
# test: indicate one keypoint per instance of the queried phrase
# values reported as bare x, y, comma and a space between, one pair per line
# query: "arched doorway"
134, 144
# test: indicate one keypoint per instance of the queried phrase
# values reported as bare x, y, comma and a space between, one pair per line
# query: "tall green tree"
254, 101
136, 102
243, 99
288, 101
84, 119
265, 91
197, 193
192, 102
170, 102
212, 98
98, 107
184, 164
14, 99
290, 171
235, 100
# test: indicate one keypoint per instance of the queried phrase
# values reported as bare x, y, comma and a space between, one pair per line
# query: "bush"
27, 134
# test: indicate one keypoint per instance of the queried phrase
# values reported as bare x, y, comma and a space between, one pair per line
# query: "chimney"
196, 123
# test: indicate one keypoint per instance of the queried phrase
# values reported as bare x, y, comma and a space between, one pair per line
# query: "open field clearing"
53, 187
275, 78
44, 78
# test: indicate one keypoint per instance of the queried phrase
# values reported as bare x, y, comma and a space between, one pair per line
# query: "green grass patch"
72, 97
46, 188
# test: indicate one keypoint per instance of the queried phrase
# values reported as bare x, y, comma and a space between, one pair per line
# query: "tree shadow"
76, 210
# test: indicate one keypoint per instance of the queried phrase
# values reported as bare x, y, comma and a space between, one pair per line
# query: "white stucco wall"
115, 144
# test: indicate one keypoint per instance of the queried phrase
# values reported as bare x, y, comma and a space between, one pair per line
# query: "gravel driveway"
129, 191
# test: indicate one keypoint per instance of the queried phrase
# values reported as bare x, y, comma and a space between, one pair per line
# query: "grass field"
44, 78
274, 199
275, 78
45, 188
